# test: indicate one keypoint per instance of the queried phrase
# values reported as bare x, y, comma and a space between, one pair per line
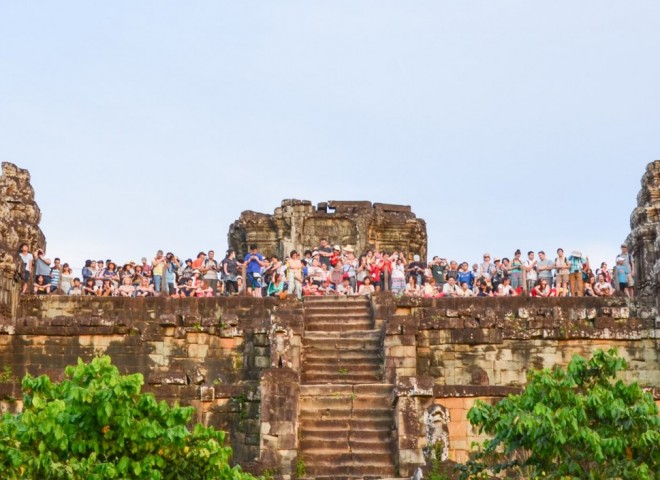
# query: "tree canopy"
96, 425
578, 423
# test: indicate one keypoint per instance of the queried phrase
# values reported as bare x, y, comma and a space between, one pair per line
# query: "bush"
96, 425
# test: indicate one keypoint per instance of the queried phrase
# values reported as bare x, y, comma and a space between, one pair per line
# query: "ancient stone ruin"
329, 387
298, 225
644, 239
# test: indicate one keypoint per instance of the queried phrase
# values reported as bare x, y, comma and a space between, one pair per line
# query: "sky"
504, 124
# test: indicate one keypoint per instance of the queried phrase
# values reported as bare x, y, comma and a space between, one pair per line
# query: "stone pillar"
280, 391
413, 396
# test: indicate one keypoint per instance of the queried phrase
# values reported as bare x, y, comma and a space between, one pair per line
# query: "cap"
337, 247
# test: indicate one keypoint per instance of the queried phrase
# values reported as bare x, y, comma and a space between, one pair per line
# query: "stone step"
342, 413
359, 334
359, 469
380, 424
329, 458
337, 325
313, 301
336, 310
341, 365
341, 343
380, 442
318, 377
347, 354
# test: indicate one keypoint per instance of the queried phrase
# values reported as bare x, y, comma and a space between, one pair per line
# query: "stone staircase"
345, 421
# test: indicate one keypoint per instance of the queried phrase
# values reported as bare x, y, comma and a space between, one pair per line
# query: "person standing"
28, 262
294, 267
531, 274
325, 253
210, 270
254, 261
544, 267
157, 270
230, 272
577, 262
628, 262
563, 268
42, 265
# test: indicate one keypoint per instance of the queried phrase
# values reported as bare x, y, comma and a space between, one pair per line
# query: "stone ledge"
450, 391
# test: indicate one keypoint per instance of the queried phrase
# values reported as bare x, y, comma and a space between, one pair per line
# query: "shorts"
26, 276
561, 278
622, 285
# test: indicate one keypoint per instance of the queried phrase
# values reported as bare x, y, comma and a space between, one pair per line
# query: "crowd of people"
329, 270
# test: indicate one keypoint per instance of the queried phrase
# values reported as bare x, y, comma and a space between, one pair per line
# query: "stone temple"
332, 388
298, 225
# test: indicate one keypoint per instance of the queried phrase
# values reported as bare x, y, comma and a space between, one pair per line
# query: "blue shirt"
252, 265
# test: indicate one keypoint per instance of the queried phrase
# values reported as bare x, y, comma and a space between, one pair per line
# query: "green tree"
96, 425
578, 423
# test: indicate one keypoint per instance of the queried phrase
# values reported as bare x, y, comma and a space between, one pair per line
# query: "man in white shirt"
530, 271
451, 289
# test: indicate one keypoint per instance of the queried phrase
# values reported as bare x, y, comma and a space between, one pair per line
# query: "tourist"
40, 286
171, 267
544, 267
416, 270
230, 272
99, 270
562, 266
76, 288
210, 269
451, 288
137, 277
605, 272
465, 275
111, 274
505, 289
603, 288
42, 265
55, 276
575, 276
325, 253
126, 289
336, 274
146, 289
87, 271
628, 263
204, 289
588, 289
399, 276
542, 289
27, 263
107, 289
412, 289
90, 288
254, 261
310, 289
276, 286
366, 289
438, 268
499, 274
531, 272
350, 265
465, 290
327, 288
344, 288
146, 268
452, 272
363, 270
429, 289
621, 273
157, 270
294, 267
66, 279
487, 269
516, 271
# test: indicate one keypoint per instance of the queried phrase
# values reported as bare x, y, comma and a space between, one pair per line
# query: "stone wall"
205, 352
644, 241
19, 215
443, 354
298, 225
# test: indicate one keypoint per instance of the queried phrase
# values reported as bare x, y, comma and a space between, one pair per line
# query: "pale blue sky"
504, 124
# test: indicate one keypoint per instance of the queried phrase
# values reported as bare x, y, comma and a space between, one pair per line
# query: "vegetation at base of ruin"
343, 371
437, 470
7, 376
300, 468
578, 423
97, 425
